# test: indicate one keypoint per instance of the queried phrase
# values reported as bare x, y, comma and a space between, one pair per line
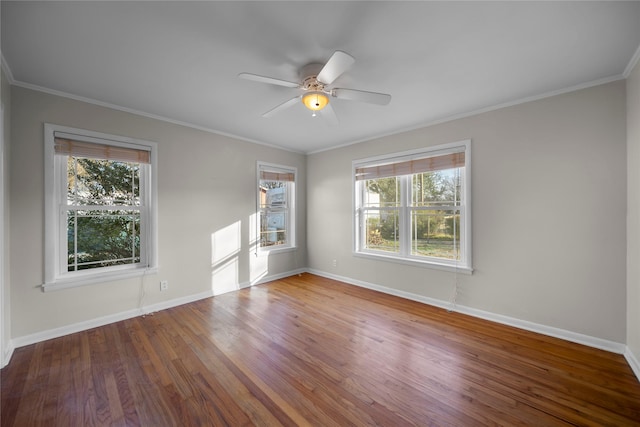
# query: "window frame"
56, 275
403, 256
290, 211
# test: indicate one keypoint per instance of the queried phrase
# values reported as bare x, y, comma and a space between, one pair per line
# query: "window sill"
275, 249
94, 278
416, 263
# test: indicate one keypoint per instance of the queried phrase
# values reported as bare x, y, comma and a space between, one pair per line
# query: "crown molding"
74, 97
6, 69
482, 110
632, 63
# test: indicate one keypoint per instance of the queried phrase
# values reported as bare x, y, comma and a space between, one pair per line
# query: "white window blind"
412, 166
72, 147
271, 175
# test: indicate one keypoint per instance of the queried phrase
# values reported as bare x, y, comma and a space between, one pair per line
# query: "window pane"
435, 233
273, 194
439, 188
273, 228
382, 230
102, 238
381, 192
275, 209
102, 182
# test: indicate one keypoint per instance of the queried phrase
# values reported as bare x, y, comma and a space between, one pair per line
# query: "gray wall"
633, 215
549, 202
5, 306
206, 192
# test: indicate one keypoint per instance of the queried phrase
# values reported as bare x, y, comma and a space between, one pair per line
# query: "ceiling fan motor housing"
309, 77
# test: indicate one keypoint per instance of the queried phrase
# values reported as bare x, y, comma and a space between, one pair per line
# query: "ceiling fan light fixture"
315, 100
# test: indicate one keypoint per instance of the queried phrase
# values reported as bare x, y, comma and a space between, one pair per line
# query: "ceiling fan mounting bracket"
309, 75
311, 83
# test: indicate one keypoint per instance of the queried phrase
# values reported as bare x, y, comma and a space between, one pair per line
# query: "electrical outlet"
334, 263
164, 285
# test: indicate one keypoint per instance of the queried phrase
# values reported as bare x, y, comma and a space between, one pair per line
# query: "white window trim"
291, 224
465, 267
2, 237
55, 277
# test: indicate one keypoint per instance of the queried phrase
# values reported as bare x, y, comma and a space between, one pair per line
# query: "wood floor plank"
311, 351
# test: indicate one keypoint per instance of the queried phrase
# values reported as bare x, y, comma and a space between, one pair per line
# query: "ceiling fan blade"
362, 96
335, 66
329, 114
269, 80
281, 107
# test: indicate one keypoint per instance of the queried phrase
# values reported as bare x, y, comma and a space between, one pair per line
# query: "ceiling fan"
316, 79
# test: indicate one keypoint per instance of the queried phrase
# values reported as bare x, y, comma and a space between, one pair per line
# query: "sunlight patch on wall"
253, 232
258, 262
225, 248
258, 266
225, 243
224, 278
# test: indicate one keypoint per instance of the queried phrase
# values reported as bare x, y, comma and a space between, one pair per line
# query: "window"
276, 202
100, 207
415, 206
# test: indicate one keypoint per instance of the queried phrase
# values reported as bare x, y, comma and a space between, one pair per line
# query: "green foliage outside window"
434, 231
104, 230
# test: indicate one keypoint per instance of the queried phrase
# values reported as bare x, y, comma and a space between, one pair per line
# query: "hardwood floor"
307, 350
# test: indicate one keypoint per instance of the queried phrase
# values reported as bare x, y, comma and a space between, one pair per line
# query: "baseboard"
587, 340
73, 328
117, 317
633, 362
506, 320
272, 277
8, 352
174, 302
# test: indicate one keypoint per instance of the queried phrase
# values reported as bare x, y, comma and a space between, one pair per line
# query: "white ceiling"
180, 60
